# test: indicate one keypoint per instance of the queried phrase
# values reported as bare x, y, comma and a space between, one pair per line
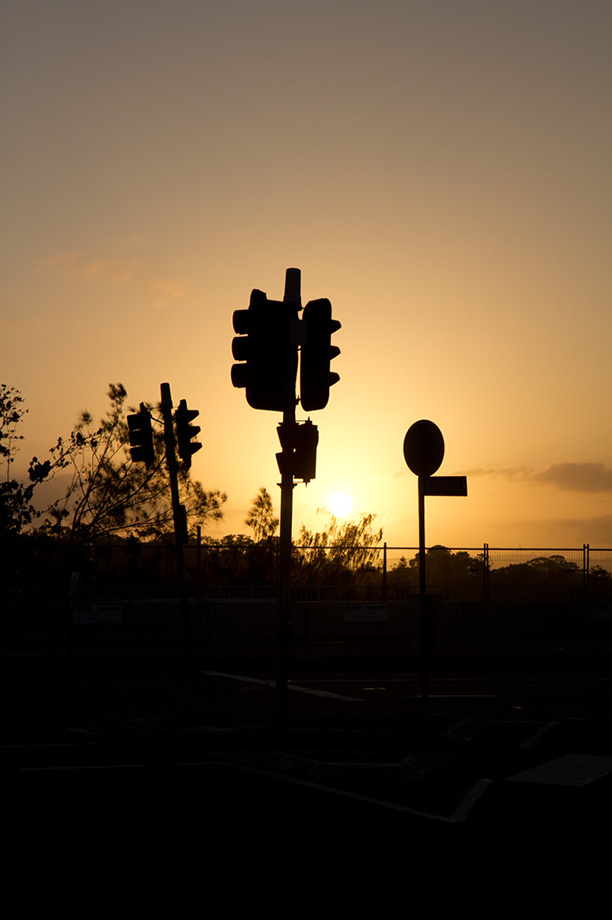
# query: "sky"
438, 169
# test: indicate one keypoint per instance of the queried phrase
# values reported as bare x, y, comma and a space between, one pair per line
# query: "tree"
341, 549
11, 414
447, 566
542, 578
109, 494
236, 559
404, 574
16, 510
261, 516
600, 583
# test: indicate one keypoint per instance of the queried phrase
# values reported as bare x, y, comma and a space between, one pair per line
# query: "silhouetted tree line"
104, 496
459, 576
239, 560
113, 524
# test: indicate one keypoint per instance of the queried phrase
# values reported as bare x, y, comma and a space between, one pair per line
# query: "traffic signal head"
185, 431
317, 353
141, 436
266, 351
299, 442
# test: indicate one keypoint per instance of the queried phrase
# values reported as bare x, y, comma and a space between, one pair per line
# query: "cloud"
568, 532
75, 264
138, 238
65, 263
165, 290
111, 269
510, 473
577, 477
571, 477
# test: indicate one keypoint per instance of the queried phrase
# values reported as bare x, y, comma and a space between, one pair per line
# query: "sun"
340, 504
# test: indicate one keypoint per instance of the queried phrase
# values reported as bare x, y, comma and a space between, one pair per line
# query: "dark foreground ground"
138, 784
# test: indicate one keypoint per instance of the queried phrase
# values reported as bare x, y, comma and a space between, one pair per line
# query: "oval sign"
423, 448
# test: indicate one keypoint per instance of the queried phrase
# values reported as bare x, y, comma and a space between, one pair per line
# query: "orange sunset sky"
438, 169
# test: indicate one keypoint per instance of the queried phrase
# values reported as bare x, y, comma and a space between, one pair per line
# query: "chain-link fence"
243, 569
498, 574
376, 573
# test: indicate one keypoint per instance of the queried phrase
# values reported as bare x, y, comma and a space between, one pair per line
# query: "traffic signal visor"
185, 431
267, 355
141, 436
317, 353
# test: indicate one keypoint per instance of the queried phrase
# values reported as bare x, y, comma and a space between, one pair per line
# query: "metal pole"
292, 296
423, 599
384, 577
177, 510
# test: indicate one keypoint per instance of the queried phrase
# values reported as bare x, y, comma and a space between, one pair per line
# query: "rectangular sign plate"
365, 613
445, 485
98, 613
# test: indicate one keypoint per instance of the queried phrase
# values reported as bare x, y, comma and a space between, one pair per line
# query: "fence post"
585, 572
384, 574
485, 573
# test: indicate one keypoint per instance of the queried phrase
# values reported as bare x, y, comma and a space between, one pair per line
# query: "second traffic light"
264, 345
141, 436
299, 455
317, 353
185, 431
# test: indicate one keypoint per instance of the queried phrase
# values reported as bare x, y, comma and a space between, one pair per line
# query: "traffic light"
185, 431
141, 436
317, 353
299, 442
264, 345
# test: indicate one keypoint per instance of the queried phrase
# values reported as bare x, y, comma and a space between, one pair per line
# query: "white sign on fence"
365, 613
98, 613
602, 612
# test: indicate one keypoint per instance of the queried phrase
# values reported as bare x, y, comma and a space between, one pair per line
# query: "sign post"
423, 453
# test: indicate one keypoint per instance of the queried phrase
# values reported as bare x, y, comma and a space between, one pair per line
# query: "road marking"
460, 680
82, 767
461, 696
324, 693
243, 677
294, 687
338, 696
59, 745
457, 815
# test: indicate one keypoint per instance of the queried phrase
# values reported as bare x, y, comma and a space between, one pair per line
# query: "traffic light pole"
266, 349
291, 297
284, 609
177, 510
